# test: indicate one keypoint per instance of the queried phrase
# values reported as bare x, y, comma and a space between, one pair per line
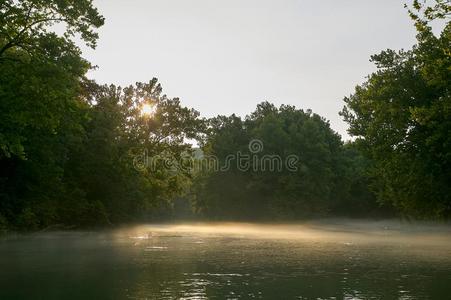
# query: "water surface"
316, 260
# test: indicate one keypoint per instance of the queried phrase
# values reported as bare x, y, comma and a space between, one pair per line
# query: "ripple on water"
231, 261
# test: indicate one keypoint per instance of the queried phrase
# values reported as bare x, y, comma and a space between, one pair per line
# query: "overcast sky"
225, 56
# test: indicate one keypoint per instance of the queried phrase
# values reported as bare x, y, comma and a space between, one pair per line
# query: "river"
331, 259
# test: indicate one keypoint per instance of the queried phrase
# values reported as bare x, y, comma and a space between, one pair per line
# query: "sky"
226, 56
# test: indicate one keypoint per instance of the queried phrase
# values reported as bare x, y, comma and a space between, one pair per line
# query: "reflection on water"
378, 260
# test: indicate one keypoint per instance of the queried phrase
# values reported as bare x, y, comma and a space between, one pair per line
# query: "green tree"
278, 193
401, 117
42, 110
117, 134
27, 25
34, 58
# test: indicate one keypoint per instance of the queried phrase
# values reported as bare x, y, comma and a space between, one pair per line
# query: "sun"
147, 110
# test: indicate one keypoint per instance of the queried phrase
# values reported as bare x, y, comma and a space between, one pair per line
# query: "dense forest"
74, 153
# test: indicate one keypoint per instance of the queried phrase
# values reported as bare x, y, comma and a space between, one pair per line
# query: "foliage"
75, 153
66, 144
323, 179
117, 134
27, 24
402, 118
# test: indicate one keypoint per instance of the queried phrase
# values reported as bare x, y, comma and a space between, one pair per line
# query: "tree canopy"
27, 25
401, 117
317, 184
74, 153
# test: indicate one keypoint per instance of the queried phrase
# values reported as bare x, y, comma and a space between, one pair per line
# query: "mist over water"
329, 259
319, 231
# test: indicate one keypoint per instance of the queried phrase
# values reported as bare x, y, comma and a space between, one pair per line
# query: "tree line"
68, 146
